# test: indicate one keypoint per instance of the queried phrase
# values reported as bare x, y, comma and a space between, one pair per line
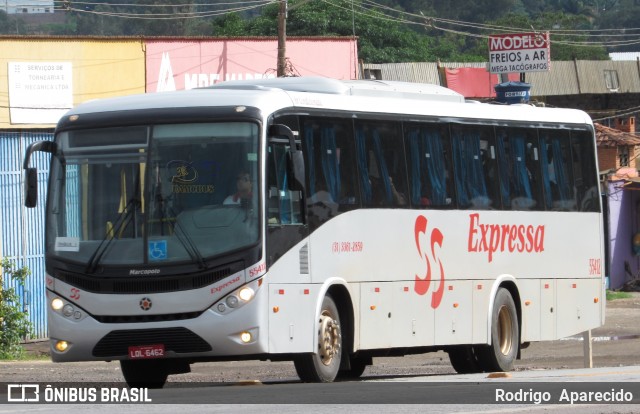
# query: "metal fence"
22, 229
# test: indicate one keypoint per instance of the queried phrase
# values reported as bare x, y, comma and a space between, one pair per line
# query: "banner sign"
519, 52
39, 92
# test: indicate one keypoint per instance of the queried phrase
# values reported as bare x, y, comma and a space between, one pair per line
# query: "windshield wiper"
121, 224
187, 242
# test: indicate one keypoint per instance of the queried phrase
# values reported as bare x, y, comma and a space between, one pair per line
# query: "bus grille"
146, 318
148, 284
178, 340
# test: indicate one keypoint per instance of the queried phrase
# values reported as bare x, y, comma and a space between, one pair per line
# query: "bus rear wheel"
505, 335
323, 365
464, 359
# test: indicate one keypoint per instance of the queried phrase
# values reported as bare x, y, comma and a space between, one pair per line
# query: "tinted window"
430, 170
476, 173
381, 167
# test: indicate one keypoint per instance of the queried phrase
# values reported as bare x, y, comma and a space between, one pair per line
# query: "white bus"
320, 221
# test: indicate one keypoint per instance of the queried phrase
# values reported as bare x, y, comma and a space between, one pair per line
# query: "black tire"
358, 365
323, 365
145, 373
464, 359
505, 335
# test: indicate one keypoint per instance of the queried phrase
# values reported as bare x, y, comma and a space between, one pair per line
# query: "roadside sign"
519, 52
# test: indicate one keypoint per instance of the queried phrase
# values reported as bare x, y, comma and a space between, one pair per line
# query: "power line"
367, 8
234, 7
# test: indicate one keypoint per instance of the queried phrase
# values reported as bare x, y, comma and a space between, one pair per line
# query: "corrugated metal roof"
456, 65
560, 80
593, 77
421, 72
564, 78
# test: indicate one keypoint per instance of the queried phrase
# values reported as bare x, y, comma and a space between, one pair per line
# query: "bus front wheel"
324, 364
505, 335
145, 373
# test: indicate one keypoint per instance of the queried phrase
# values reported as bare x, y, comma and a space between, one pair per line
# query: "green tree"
572, 45
230, 25
13, 320
380, 40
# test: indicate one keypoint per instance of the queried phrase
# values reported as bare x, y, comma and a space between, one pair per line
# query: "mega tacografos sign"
520, 52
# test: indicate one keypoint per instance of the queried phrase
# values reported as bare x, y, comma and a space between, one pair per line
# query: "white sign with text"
519, 52
39, 92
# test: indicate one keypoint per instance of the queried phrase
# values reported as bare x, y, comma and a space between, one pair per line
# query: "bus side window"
557, 176
517, 151
330, 168
381, 166
430, 170
584, 171
476, 172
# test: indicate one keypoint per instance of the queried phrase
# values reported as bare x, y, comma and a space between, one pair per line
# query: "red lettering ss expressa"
428, 253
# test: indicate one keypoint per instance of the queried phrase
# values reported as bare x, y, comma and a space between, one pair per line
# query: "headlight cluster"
238, 298
66, 309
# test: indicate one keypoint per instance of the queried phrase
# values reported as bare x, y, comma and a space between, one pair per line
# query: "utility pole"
282, 39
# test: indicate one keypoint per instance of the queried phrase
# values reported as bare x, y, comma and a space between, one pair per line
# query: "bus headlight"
246, 294
232, 301
67, 309
57, 304
238, 298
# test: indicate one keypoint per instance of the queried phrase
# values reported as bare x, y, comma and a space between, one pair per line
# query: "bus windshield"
153, 194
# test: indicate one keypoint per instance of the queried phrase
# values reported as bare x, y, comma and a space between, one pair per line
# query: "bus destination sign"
519, 52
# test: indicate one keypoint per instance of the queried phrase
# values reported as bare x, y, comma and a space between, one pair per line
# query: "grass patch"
612, 295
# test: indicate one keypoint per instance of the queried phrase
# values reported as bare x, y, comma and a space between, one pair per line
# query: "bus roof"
359, 96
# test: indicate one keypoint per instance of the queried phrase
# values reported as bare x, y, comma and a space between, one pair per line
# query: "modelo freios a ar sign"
519, 52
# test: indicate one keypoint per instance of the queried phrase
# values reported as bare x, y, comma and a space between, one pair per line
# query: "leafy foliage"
383, 36
13, 320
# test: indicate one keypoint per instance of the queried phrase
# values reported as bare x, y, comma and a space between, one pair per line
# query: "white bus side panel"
292, 310
481, 294
548, 311
531, 307
413, 320
453, 316
384, 257
578, 305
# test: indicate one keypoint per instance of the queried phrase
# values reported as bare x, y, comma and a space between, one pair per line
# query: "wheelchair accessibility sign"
158, 250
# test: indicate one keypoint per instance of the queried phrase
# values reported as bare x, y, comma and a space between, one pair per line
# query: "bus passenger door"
285, 211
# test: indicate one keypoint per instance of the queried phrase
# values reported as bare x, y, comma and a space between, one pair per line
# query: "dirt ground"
617, 343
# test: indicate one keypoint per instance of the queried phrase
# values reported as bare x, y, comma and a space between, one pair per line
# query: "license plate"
146, 351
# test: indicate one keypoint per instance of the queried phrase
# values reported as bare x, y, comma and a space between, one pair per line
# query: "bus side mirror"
30, 187
31, 173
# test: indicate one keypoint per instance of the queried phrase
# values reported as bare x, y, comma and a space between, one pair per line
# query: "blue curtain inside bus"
428, 143
329, 159
361, 157
382, 166
518, 160
467, 158
515, 179
311, 165
554, 176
